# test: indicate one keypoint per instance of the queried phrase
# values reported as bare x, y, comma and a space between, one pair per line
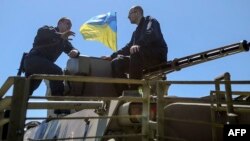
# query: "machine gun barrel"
179, 63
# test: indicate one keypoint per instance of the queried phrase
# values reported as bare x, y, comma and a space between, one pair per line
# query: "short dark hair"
63, 19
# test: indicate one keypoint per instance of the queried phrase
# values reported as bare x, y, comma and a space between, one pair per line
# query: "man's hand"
73, 53
106, 58
65, 35
134, 49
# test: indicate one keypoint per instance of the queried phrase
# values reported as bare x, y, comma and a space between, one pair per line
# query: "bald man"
146, 48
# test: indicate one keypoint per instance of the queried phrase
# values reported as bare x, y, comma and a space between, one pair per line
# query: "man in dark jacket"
146, 48
48, 45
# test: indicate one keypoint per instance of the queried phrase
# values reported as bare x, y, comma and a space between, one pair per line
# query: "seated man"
146, 48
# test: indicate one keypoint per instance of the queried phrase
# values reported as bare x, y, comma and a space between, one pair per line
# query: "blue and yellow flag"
102, 28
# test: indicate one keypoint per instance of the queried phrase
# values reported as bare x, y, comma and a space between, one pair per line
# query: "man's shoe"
61, 111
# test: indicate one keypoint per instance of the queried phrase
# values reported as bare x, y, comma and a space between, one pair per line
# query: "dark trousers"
135, 64
39, 65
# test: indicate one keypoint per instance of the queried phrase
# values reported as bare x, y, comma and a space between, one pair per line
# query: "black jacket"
49, 44
147, 35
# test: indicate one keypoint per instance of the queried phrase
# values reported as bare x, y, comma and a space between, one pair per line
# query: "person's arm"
70, 50
49, 34
46, 34
125, 50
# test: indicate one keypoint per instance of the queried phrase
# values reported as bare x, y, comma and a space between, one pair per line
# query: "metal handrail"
80, 98
91, 137
146, 99
90, 117
92, 79
7, 84
5, 103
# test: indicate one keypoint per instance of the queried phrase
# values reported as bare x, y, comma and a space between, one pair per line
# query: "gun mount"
191, 60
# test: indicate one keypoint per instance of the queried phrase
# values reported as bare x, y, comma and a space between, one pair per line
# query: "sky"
188, 27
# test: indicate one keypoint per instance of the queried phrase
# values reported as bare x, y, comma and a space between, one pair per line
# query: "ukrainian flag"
101, 28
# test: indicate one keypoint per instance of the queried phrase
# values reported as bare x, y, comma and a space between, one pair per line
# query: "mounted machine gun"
191, 60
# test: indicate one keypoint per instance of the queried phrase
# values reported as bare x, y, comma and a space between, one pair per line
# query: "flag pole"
116, 32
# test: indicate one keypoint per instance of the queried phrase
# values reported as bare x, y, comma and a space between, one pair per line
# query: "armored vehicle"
99, 113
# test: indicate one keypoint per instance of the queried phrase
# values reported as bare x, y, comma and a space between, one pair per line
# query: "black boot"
61, 112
